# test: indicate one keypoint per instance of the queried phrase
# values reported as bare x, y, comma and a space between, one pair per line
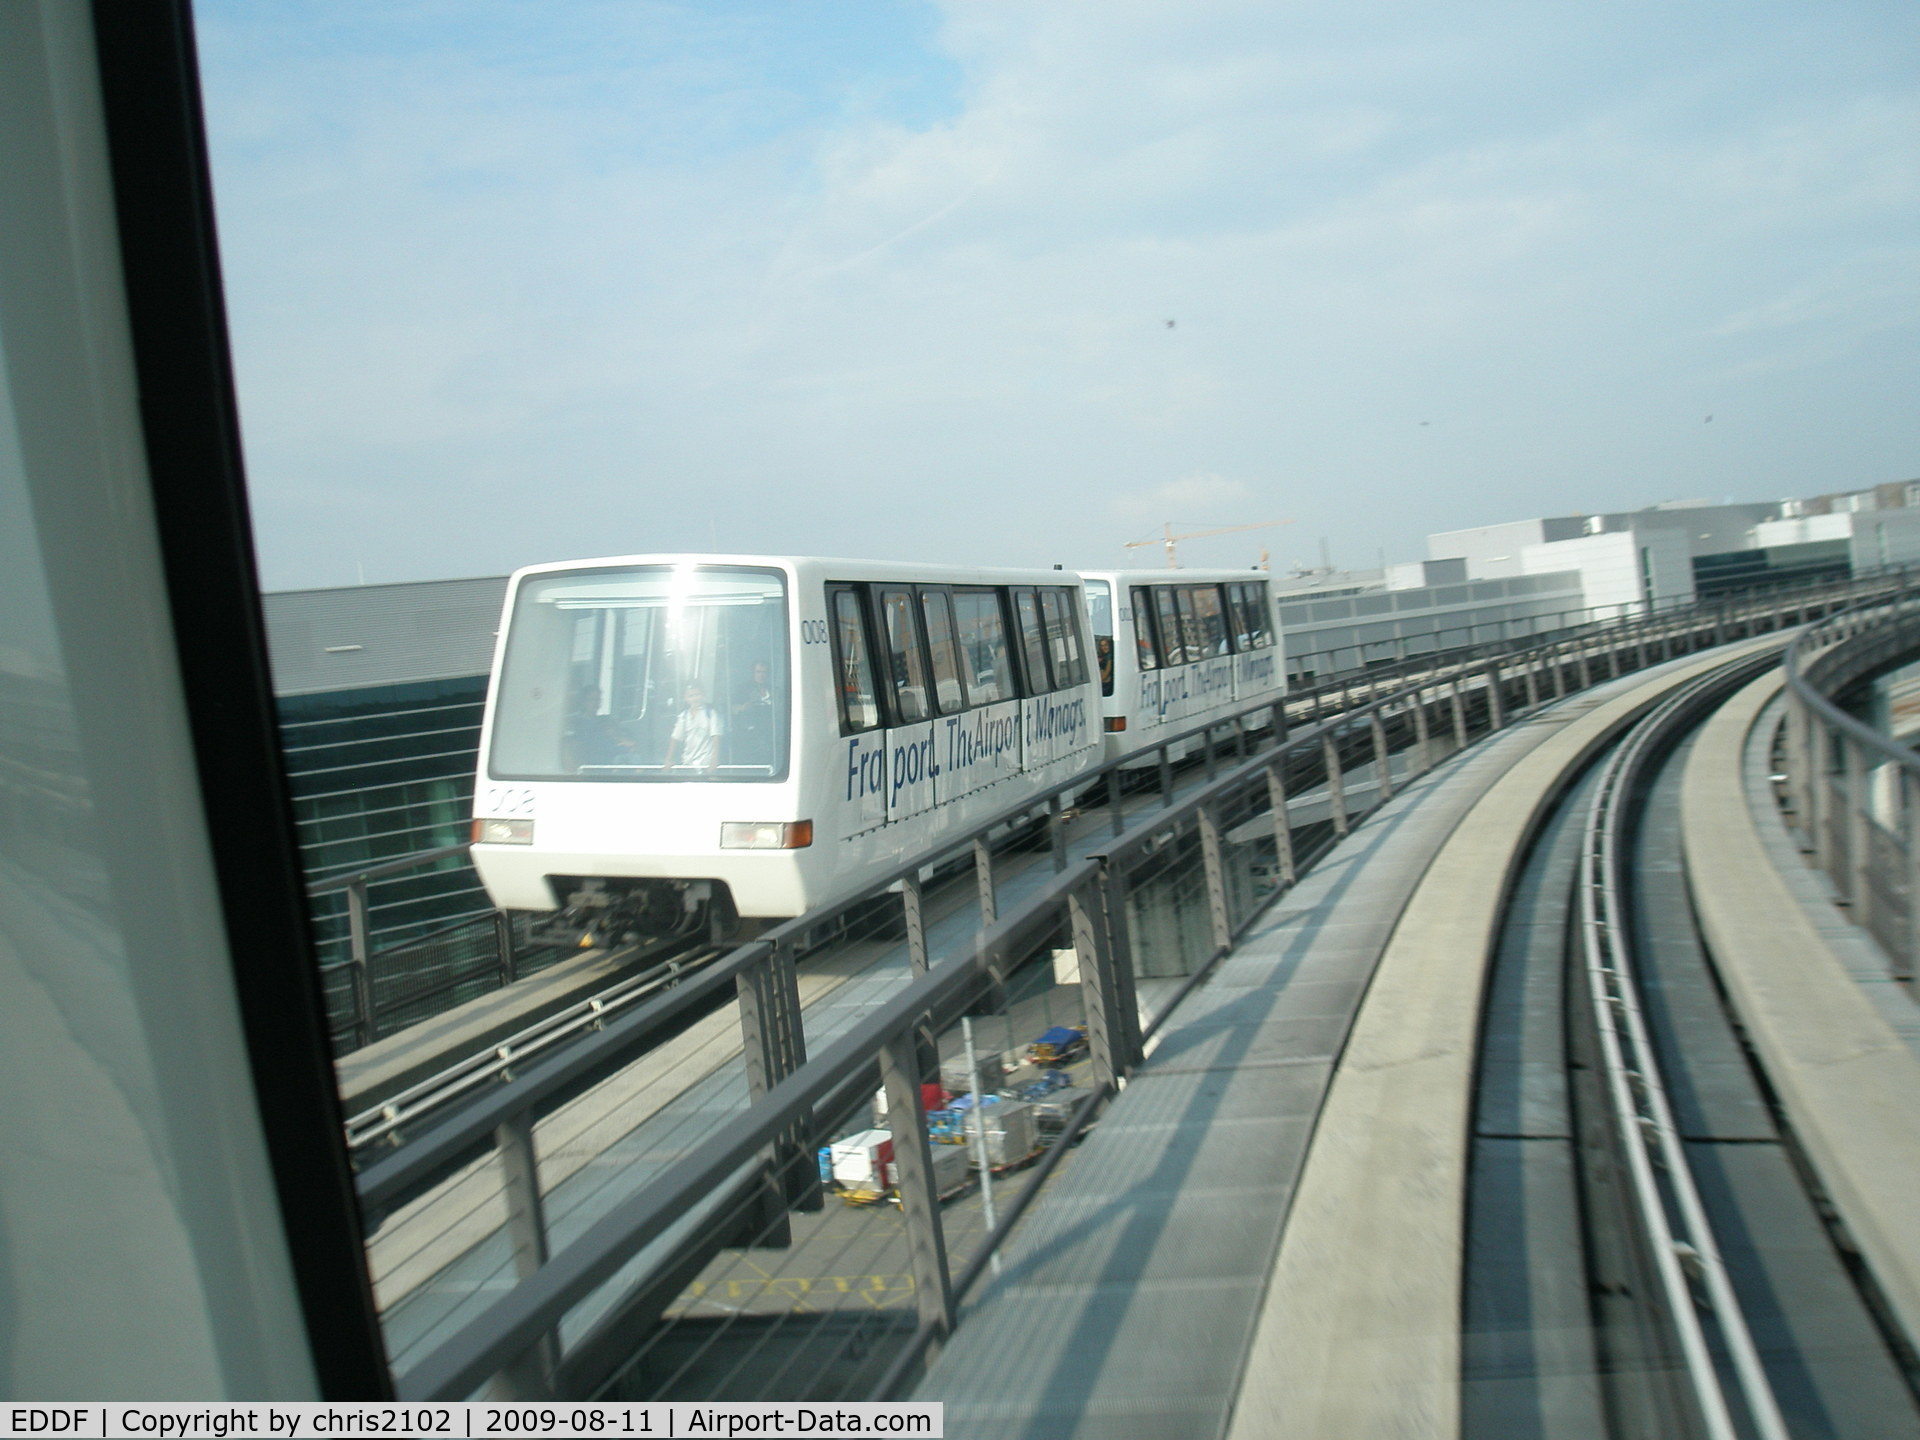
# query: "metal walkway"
1127, 1304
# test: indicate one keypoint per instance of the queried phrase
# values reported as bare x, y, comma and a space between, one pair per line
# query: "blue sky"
514, 282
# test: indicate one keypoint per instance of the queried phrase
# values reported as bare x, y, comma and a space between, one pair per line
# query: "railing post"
1116, 817
1799, 757
1206, 745
503, 940
1213, 858
1586, 670
1423, 755
1113, 1021
1459, 715
1496, 707
1166, 777
1556, 657
913, 911
1336, 795
1530, 671
1056, 833
361, 973
1820, 777
773, 1046
1282, 825
1910, 831
1382, 760
530, 1377
1859, 839
983, 881
919, 1196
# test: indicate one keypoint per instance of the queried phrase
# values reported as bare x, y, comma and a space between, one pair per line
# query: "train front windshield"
654, 673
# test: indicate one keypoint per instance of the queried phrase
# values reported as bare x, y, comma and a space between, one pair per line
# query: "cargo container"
989, 1071
860, 1161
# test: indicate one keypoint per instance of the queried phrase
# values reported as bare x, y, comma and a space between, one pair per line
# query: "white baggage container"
860, 1161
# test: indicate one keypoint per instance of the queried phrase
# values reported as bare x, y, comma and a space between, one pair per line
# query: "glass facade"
377, 774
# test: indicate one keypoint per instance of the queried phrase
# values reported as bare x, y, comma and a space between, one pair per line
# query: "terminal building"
379, 690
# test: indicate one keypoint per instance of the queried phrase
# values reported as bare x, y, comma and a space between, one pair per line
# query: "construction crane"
1169, 539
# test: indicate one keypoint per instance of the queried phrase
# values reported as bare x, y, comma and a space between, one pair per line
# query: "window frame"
863, 619
940, 597
1009, 677
882, 591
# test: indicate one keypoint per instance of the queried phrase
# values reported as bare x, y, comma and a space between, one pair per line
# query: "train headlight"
766, 834
503, 832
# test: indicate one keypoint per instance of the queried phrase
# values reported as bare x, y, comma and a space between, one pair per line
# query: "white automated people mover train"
1177, 648
679, 740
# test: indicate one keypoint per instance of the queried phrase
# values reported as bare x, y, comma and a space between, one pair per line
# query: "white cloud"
488, 312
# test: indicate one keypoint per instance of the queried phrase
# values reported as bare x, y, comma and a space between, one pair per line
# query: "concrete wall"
1493, 551
1614, 574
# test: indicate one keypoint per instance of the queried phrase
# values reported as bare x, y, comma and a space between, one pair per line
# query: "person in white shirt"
695, 743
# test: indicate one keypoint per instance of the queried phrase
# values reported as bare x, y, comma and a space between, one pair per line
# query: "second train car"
1178, 648
679, 740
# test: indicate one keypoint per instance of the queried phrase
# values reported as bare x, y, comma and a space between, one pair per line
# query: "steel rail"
442, 1088
1679, 1234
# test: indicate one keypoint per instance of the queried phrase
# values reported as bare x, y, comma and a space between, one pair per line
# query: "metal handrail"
1816, 643
1849, 827
365, 874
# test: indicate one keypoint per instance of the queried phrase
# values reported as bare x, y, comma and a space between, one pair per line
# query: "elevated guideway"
638, 1212
1367, 1181
1128, 1305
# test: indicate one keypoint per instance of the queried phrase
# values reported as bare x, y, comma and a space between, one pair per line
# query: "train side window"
947, 689
905, 657
1100, 613
1033, 643
1143, 641
1063, 637
1209, 621
1173, 635
984, 660
853, 665
1251, 603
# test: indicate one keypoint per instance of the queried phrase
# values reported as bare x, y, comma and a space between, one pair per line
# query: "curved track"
1553, 1191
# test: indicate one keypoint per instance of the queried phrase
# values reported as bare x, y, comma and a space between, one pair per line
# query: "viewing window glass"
1063, 637
1143, 642
943, 652
984, 661
859, 706
904, 655
647, 674
1100, 614
1250, 611
1173, 641
1033, 645
1209, 623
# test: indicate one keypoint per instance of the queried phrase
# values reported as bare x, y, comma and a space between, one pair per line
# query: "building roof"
365, 635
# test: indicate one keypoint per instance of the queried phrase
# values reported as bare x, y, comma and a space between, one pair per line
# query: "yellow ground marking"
873, 1289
